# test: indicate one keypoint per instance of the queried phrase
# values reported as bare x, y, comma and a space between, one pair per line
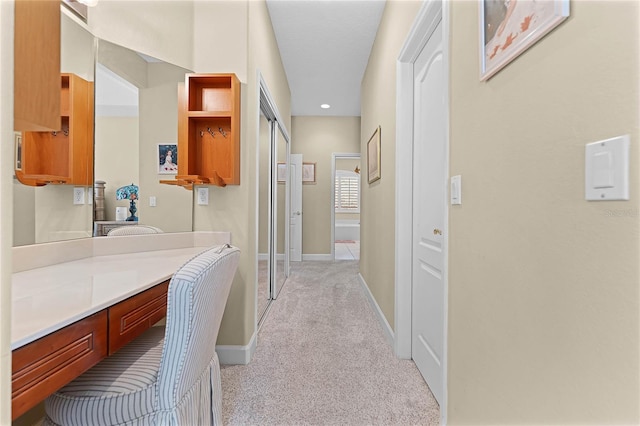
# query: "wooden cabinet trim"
47, 364
131, 317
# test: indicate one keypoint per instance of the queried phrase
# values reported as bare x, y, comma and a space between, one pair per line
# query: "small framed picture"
282, 172
18, 150
373, 156
309, 173
167, 159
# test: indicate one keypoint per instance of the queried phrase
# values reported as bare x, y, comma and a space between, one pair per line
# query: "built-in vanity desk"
68, 315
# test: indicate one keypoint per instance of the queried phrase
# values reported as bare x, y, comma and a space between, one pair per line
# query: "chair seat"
119, 390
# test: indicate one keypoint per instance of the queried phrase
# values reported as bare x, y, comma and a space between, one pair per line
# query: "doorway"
421, 198
345, 206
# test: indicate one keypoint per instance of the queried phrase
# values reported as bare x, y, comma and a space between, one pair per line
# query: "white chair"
134, 230
169, 375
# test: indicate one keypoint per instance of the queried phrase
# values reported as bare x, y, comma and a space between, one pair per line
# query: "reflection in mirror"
281, 214
136, 118
48, 213
264, 264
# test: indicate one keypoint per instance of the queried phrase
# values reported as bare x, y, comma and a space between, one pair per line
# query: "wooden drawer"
131, 317
47, 364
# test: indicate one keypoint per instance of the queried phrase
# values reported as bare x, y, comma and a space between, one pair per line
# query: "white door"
429, 183
295, 222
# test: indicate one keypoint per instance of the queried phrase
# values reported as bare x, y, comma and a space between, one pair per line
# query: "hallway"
322, 358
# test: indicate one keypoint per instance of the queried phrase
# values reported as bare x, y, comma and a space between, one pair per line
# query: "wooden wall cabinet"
208, 131
65, 155
36, 54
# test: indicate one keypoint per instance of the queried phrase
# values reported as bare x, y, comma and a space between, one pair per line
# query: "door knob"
298, 213
437, 232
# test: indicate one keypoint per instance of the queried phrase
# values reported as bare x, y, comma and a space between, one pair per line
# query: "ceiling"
325, 47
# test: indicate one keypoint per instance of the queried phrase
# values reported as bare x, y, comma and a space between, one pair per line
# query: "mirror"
264, 214
48, 213
136, 126
273, 204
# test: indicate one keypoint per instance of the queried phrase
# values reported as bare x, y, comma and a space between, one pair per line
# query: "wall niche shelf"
208, 131
63, 156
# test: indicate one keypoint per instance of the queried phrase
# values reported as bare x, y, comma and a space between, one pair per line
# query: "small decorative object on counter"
129, 192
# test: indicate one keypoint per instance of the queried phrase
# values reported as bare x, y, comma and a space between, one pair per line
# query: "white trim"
317, 257
431, 12
236, 354
334, 157
386, 328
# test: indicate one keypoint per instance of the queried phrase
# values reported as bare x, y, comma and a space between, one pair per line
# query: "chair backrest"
134, 230
197, 297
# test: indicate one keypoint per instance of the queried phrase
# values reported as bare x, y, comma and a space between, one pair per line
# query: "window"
347, 192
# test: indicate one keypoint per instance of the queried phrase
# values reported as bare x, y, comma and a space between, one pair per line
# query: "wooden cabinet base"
43, 366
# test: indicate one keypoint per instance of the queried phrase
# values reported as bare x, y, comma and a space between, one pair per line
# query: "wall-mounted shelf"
208, 131
63, 156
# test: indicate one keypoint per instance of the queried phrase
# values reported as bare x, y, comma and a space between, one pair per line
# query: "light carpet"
322, 359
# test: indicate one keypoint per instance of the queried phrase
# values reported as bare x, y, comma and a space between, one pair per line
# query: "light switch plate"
456, 190
203, 196
607, 169
152, 201
78, 195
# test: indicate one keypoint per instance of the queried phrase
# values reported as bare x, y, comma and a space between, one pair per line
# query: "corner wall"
377, 218
246, 49
543, 285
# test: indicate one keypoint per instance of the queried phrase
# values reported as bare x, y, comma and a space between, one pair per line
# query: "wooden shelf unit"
208, 131
64, 156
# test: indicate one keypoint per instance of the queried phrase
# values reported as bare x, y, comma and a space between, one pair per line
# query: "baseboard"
265, 256
318, 257
388, 331
236, 354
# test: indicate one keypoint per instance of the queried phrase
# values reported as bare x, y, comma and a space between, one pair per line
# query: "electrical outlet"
78, 195
203, 196
152, 201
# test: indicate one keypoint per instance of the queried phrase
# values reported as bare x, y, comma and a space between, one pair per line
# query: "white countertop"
48, 298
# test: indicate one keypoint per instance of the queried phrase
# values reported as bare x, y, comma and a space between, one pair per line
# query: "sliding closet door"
264, 215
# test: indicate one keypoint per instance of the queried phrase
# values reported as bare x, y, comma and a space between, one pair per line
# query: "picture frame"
18, 151
282, 172
373, 156
167, 158
309, 173
509, 28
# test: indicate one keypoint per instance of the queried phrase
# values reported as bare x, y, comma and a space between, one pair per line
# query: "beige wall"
543, 285
6, 201
248, 48
162, 29
316, 138
378, 102
57, 218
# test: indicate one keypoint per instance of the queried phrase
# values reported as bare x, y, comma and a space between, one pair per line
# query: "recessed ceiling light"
325, 106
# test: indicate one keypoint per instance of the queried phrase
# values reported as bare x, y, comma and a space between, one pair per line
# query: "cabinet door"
37, 65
